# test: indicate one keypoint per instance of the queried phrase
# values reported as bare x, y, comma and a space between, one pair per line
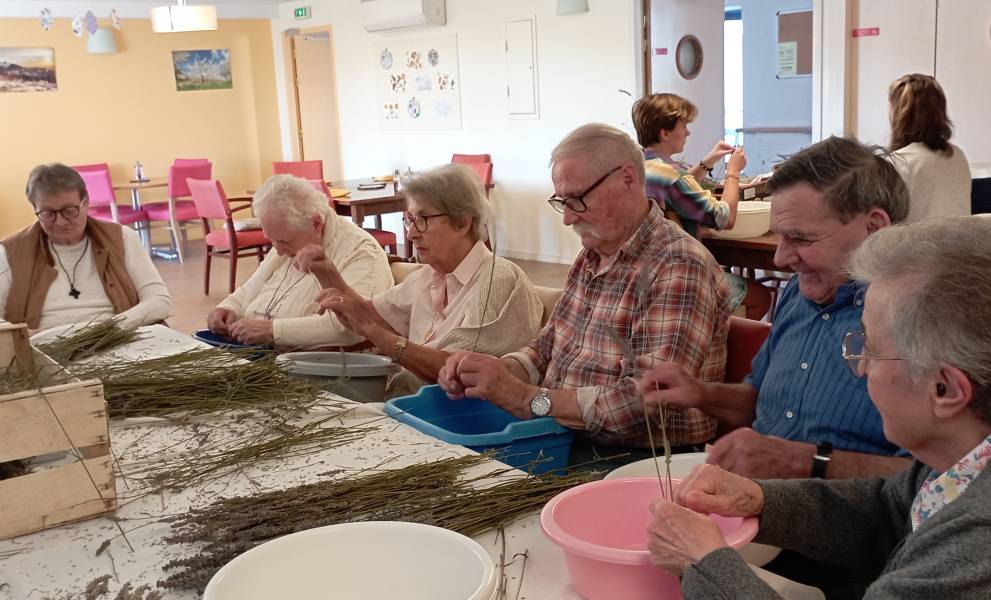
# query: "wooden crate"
63, 414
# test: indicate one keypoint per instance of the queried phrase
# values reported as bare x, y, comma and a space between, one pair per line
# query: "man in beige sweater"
277, 305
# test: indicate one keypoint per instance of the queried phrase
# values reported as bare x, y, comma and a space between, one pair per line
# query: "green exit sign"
303, 12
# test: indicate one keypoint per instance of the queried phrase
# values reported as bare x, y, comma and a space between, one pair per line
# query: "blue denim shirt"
806, 392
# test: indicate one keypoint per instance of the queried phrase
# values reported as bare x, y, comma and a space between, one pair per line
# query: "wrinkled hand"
750, 454
252, 331
709, 489
736, 162
313, 258
668, 384
486, 377
718, 151
678, 537
354, 312
220, 320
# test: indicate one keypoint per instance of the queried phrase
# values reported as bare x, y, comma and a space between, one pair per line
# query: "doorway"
314, 91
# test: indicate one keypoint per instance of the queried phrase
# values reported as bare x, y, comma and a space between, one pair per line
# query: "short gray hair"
940, 268
295, 199
54, 178
456, 191
853, 178
602, 145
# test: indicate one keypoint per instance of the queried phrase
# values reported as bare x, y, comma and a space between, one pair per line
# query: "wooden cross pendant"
74, 292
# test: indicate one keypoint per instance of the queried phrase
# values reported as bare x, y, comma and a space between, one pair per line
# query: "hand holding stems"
220, 321
719, 150
313, 258
357, 314
737, 162
487, 377
252, 331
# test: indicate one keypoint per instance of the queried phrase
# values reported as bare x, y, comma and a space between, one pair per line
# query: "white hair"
292, 198
602, 145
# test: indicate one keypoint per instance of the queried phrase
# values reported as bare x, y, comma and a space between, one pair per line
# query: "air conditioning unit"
385, 15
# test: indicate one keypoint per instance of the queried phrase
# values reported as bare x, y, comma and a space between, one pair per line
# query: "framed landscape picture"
202, 70
27, 70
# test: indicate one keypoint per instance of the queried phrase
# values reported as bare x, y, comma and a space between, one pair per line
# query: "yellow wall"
124, 107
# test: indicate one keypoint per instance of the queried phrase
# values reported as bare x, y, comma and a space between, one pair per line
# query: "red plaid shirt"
667, 298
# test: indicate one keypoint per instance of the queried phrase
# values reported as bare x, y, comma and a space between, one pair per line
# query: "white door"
317, 101
906, 37
670, 21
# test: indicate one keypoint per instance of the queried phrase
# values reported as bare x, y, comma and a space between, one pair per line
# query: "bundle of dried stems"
438, 493
89, 340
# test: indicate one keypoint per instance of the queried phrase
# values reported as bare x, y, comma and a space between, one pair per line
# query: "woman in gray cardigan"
926, 353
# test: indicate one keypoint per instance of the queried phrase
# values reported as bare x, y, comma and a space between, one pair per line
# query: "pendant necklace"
276, 298
72, 280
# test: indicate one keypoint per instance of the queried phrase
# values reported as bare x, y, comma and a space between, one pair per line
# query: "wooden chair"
211, 203
386, 239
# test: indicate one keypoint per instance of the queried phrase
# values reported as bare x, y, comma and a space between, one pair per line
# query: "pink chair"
176, 210
211, 202
305, 169
484, 172
467, 159
103, 201
185, 162
386, 239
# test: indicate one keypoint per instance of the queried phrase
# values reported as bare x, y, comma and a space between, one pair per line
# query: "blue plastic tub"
481, 426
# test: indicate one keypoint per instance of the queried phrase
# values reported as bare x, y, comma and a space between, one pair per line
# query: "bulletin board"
794, 44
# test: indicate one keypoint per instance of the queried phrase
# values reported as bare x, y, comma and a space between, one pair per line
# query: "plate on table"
221, 341
384, 178
371, 186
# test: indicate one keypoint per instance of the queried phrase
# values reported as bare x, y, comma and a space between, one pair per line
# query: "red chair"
744, 339
484, 172
467, 159
185, 162
102, 200
386, 239
211, 203
305, 169
177, 211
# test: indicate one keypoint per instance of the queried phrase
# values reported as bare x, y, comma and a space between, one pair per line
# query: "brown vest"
32, 270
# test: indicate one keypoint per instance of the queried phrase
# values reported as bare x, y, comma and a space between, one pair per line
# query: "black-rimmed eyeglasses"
576, 203
855, 353
420, 222
68, 213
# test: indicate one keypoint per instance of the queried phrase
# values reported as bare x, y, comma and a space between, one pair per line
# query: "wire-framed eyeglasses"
855, 353
577, 203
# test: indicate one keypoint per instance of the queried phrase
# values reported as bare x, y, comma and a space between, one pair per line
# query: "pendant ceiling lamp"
183, 17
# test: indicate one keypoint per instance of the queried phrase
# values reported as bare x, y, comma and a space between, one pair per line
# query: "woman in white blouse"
463, 298
68, 268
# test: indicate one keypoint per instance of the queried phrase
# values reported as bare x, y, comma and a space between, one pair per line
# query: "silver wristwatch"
540, 406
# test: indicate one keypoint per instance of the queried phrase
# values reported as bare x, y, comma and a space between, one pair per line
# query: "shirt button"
805, 365
859, 302
789, 414
825, 317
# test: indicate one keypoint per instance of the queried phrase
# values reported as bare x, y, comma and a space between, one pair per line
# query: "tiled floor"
191, 306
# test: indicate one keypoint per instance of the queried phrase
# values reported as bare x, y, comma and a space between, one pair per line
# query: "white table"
63, 559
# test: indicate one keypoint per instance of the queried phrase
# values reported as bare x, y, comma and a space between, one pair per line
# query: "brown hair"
54, 178
918, 114
655, 112
852, 178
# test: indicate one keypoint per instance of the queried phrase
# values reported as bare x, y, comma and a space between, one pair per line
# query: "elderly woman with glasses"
925, 349
68, 268
463, 298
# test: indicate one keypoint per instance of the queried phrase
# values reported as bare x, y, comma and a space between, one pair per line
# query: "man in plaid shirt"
641, 291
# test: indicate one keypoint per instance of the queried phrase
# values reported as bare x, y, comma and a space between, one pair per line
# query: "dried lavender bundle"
437, 493
197, 382
88, 340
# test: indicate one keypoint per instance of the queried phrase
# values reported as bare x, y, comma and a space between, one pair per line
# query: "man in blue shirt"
801, 401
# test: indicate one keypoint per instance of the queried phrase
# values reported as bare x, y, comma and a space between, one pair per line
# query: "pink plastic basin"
602, 529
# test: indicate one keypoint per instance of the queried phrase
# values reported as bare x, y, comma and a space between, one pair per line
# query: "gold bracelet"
733, 176
398, 349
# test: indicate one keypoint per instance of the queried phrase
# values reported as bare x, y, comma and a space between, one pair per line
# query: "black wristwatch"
821, 459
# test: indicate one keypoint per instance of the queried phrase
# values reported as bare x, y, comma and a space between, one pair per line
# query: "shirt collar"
651, 154
467, 268
940, 489
638, 242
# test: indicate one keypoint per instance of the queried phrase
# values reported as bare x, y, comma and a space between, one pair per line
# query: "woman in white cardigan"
463, 298
278, 304
936, 172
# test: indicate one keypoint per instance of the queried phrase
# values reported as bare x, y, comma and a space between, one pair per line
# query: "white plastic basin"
377, 560
753, 219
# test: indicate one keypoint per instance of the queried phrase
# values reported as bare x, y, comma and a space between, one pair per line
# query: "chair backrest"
306, 169
402, 270
980, 196
742, 343
483, 170
321, 186
178, 174
185, 162
548, 297
467, 159
99, 186
210, 199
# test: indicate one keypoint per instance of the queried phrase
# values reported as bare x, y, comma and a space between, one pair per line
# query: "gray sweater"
864, 525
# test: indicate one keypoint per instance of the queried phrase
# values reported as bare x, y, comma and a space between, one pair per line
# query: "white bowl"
376, 560
681, 466
753, 219
355, 375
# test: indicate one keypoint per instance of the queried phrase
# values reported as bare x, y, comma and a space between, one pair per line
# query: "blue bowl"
225, 343
481, 426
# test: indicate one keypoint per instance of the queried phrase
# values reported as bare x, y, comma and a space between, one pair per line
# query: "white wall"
131, 9
767, 100
583, 61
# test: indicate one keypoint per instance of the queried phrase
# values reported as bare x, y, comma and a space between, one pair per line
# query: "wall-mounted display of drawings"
418, 83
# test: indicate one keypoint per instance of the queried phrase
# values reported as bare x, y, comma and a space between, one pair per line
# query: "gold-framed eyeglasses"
855, 353
420, 222
577, 203
68, 213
